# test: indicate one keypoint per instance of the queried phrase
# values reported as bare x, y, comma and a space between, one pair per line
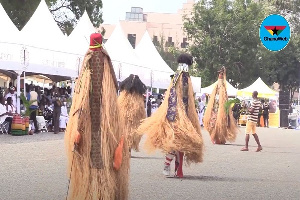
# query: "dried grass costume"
132, 108
174, 127
94, 116
221, 126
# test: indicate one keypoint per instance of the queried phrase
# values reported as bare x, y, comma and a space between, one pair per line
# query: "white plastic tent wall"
160, 71
231, 91
46, 45
9, 43
124, 59
196, 81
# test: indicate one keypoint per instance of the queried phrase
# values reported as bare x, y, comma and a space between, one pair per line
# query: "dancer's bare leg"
259, 148
246, 143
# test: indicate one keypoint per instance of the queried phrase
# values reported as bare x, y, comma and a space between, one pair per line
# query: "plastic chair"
4, 127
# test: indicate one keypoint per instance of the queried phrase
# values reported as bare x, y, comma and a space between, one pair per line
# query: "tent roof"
259, 86
12, 74
231, 91
42, 31
160, 70
9, 32
124, 58
79, 39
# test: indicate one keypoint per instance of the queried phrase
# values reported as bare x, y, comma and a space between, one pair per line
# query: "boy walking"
251, 122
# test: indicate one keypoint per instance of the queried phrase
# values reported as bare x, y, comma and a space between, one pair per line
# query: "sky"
115, 10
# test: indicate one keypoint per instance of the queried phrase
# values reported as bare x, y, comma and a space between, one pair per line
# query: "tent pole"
18, 90
73, 85
147, 97
24, 90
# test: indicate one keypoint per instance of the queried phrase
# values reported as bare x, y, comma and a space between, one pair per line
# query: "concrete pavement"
34, 168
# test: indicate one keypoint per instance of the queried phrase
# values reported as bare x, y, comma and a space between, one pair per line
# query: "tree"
225, 33
169, 53
65, 12
284, 66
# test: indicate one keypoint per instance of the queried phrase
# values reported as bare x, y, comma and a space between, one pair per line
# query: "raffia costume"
221, 126
174, 127
94, 116
132, 108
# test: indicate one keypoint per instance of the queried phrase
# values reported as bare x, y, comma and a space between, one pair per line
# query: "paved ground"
34, 168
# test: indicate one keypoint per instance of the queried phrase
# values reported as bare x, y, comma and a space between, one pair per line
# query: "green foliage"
66, 13
27, 104
227, 33
284, 66
228, 104
169, 54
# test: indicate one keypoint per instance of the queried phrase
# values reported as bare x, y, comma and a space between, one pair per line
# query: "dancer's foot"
259, 149
167, 170
244, 149
178, 176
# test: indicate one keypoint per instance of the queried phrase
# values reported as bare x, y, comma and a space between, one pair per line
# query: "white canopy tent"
263, 90
37, 49
160, 71
231, 91
46, 45
10, 43
124, 59
79, 39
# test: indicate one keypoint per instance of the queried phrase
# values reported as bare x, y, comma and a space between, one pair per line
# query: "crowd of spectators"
52, 104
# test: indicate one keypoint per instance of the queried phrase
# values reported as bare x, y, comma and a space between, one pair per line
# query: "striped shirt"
256, 105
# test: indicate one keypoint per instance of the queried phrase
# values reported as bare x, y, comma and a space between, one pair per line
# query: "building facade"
162, 27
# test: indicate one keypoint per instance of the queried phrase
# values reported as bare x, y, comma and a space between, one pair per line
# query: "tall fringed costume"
98, 166
132, 108
174, 127
220, 125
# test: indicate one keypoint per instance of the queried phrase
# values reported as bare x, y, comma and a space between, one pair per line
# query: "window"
132, 39
184, 43
169, 43
145, 17
128, 14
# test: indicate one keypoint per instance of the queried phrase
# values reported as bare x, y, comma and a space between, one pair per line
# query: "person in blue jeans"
33, 96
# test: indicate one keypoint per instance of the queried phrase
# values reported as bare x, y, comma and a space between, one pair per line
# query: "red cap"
95, 41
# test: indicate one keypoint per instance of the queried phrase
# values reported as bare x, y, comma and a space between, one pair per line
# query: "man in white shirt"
201, 111
4, 115
64, 117
12, 93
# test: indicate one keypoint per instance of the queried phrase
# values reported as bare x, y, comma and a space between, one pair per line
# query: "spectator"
56, 112
33, 96
64, 117
9, 111
201, 109
265, 108
236, 112
12, 93
149, 107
